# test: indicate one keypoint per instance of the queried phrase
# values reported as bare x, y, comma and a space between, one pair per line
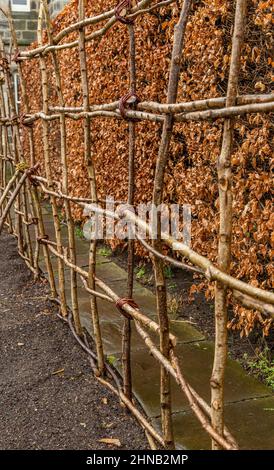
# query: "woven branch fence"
23, 186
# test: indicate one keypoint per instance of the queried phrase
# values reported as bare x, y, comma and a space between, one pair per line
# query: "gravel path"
42, 409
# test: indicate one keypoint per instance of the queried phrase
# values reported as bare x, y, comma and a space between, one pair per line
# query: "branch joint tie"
121, 11
16, 56
22, 120
128, 100
31, 172
125, 301
42, 239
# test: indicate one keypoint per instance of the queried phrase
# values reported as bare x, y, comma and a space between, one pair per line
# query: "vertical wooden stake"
225, 230
93, 190
126, 343
174, 76
45, 127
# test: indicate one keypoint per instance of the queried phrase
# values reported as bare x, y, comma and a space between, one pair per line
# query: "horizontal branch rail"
256, 104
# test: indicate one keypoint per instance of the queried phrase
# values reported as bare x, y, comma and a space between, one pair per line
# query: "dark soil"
42, 409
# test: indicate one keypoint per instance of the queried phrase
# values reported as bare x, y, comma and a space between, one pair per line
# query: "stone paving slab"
251, 421
146, 303
196, 361
50, 231
111, 272
46, 209
82, 260
183, 331
112, 333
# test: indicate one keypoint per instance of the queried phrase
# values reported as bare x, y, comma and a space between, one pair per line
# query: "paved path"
42, 408
249, 404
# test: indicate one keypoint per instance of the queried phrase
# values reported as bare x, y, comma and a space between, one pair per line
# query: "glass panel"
19, 2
